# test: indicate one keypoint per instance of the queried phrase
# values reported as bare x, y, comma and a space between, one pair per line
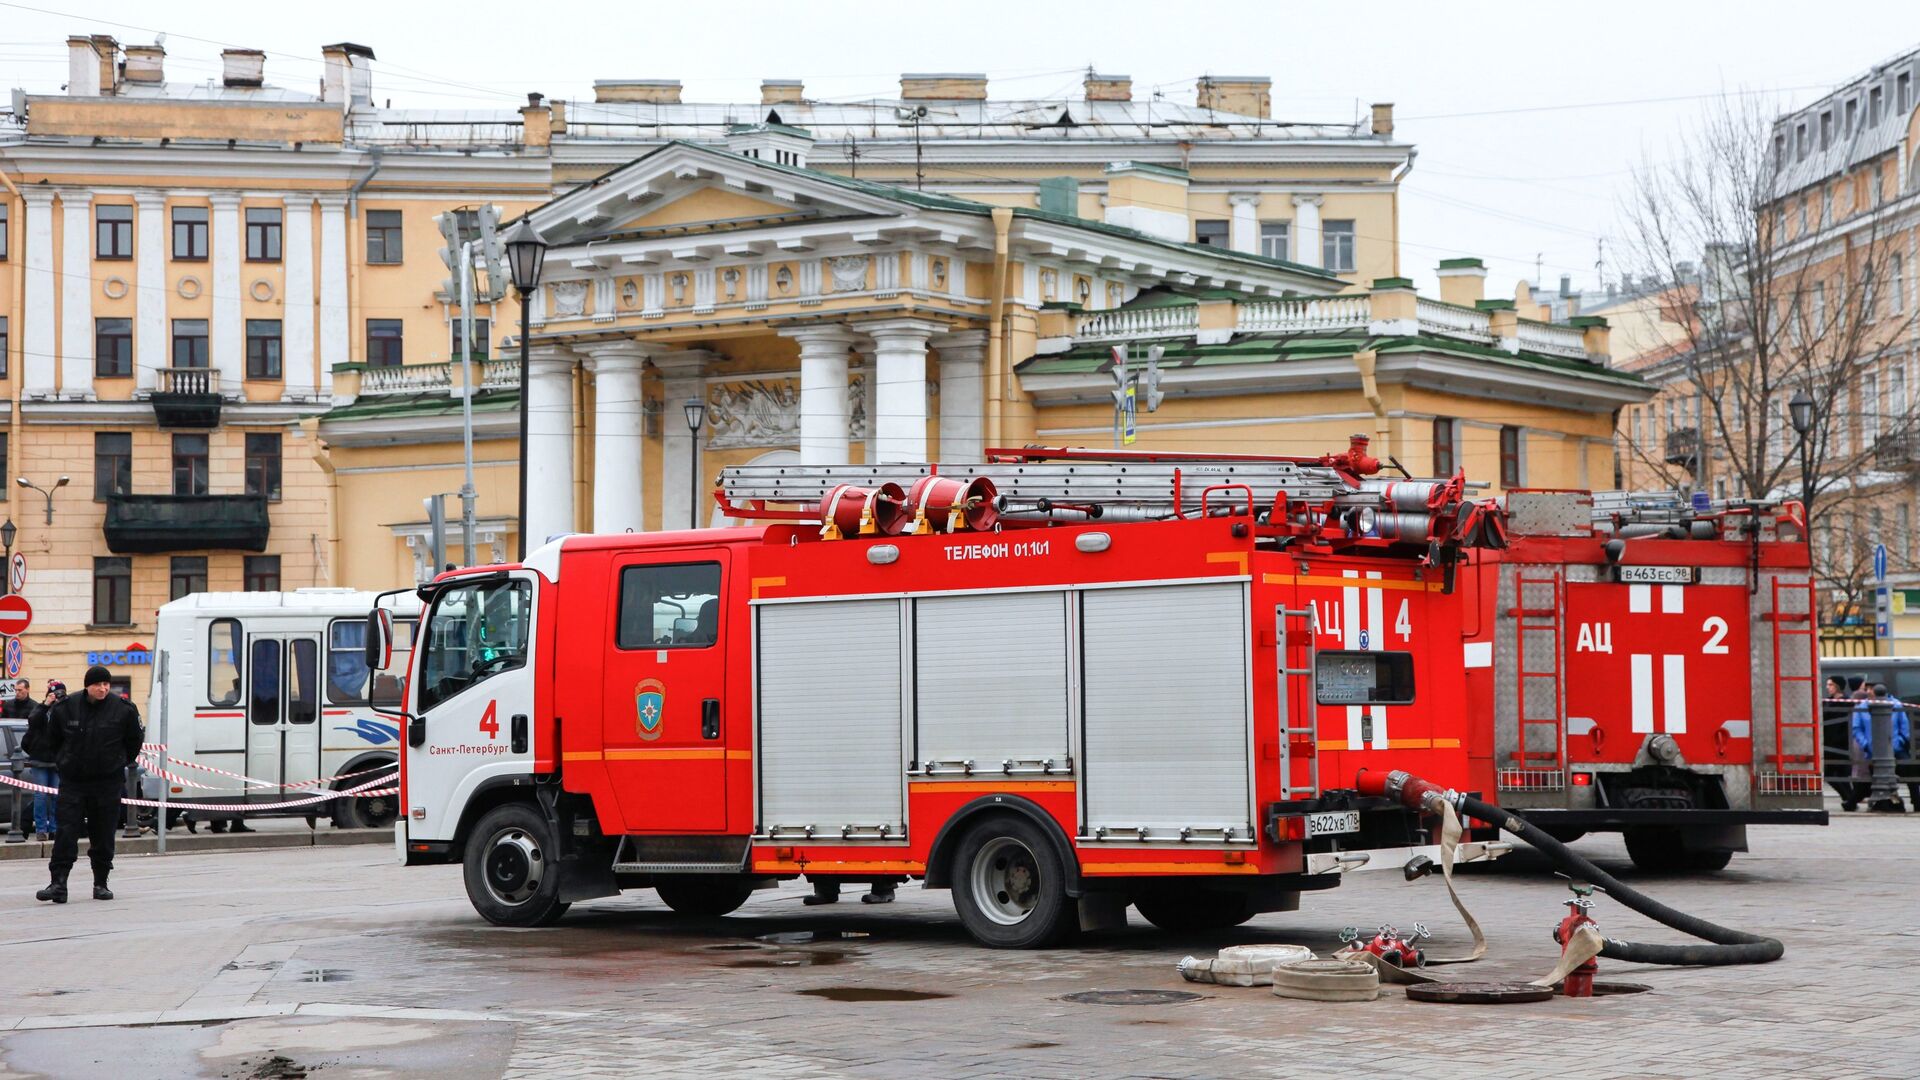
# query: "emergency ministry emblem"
649, 707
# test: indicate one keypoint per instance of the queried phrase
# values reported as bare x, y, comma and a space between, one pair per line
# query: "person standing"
92, 738
20, 705
40, 768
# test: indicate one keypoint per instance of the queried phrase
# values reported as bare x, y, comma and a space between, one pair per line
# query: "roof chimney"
145, 64
108, 50
657, 91
781, 92
348, 79
1383, 118
83, 67
1246, 95
1462, 281
1566, 284
242, 67
1109, 87
943, 86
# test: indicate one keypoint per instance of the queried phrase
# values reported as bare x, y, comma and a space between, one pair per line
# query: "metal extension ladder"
1306, 734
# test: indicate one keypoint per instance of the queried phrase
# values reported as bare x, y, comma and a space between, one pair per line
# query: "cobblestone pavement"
341, 961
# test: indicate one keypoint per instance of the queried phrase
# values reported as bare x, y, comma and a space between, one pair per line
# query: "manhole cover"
1478, 993
1132, 997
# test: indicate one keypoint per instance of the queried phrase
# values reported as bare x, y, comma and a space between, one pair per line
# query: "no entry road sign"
15, 615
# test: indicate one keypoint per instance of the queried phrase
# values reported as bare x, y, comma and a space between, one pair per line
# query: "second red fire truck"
1060, 683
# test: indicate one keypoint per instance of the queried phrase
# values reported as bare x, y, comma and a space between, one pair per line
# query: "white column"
76, 295
1306, 229
900, 388
618, 431
963, 399
35, 324
825, 423
335, 319
296, 326
682, 377
150, 284
1244, 234
227, 336
548, 399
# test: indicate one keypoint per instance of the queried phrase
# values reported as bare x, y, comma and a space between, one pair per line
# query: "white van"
274, 687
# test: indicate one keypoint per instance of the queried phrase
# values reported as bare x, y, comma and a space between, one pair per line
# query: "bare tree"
1799, 290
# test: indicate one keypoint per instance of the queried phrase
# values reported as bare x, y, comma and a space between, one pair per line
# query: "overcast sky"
1529, 119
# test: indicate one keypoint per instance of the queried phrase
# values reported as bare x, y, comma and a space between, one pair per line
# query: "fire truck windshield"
475, 632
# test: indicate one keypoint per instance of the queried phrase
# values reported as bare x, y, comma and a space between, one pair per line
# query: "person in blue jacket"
1863, 728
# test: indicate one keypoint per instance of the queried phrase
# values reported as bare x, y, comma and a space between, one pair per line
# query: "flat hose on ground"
1728, 946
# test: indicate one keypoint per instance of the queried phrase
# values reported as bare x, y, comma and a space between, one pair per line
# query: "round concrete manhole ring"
1478, 993
1132, 997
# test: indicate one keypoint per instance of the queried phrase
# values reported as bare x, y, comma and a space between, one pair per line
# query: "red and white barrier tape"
363, 791
148, 757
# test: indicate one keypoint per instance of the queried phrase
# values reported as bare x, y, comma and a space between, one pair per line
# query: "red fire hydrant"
1389, 945
1579, 981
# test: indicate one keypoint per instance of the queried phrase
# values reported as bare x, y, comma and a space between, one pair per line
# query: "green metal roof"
380, 406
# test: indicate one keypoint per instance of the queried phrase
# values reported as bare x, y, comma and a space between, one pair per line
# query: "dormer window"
1826, 129
1800, 142
1876, 105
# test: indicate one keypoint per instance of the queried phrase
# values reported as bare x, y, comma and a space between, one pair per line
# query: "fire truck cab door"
664, 702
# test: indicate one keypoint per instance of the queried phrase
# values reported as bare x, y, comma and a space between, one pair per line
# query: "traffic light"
491, 251
449, 224
1153, 377
1121, 379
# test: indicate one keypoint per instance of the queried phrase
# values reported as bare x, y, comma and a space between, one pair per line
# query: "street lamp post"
1800, 412
16, 833
526, 257
696, 411
48, 492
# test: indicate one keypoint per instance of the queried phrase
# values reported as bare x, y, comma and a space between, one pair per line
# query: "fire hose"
1727, 946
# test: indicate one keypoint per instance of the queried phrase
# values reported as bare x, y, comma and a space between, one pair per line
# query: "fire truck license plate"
1340, 821
1656, 575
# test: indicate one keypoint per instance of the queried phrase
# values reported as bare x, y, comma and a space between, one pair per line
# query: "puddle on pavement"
732, 946
1608, 989
325, 975
1036, 1045
811, 937
869, 993
822, 958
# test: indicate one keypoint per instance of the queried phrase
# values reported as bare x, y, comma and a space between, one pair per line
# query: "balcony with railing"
146, 524
1552, 339
1897, 450
1452, 320
493, 374
186, 397
1683, 447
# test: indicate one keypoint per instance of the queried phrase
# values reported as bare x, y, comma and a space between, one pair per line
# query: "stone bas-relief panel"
766, 413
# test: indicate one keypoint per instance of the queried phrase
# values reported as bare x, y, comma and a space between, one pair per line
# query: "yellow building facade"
254, 271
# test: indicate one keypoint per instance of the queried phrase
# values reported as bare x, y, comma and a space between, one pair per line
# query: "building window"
187, 576
1903, 90
482, 330
1212, 233
384, 340
113, 232
1511, 473
112, 591
262, 573
1444, 457
263, 234
1869, 411
383, 237
263, 465
263, 348
190, 233
1336, 246
190, 464
1779, 150
1826, 129
1852, 114
190, 343
112, 348
1876, 102
3, 455
112, 463
1897, 270
3, 232
1800, 142
1276, 239
5, 351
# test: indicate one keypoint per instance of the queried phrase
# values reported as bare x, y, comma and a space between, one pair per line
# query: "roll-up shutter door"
990, 682
1166, 708
829, 749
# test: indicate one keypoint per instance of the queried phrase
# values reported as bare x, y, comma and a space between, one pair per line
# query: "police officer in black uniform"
92, 737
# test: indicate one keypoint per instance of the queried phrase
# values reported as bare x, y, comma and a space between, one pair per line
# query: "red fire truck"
1056, 683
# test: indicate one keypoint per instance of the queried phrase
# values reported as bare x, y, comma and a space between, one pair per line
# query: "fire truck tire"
1009, 885
1203, 909
512, 868
703, 896
1664, 851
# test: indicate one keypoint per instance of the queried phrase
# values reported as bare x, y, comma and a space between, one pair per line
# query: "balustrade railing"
1304, 313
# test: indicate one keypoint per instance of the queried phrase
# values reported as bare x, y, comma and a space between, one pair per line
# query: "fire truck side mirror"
379, 639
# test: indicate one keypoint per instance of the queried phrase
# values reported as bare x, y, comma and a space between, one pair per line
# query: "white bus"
275, 687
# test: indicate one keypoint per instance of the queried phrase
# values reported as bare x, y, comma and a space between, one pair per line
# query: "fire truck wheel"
1009, 886
704, 896
1200, 910
1663, 851
508, 870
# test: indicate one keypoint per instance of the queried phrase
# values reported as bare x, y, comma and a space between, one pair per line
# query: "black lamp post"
526, 257
7, 533
1800, 412
696, 411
